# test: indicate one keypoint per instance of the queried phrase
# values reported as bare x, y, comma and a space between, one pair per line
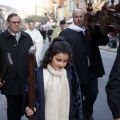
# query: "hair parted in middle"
58, 45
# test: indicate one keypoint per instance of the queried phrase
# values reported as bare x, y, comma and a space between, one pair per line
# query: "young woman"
57, 89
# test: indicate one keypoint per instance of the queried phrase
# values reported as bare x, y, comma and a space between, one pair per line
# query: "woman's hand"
117, 119
29, 111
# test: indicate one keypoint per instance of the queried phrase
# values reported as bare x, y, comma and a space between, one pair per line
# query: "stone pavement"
107, 48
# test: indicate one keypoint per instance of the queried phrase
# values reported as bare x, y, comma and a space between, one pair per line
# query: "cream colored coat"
38, 42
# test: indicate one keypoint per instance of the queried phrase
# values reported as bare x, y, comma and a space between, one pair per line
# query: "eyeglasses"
17, 22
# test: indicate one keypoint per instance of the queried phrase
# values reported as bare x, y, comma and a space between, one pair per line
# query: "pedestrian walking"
49, 33
43, 32
57, 89
37, 40
86, 58
113, 37
17, 43
58, 29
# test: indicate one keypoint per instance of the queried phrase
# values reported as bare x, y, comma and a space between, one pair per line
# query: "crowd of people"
66, 86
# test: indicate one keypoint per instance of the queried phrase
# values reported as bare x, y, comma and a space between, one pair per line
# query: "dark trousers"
89, 93
14, 107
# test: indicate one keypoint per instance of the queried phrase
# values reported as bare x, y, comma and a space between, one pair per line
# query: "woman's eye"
58, 60
66, 61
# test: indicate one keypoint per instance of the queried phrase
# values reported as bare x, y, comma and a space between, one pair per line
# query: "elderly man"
86, 58
17, 43
37, 40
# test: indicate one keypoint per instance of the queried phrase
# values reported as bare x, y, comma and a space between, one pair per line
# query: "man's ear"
7, 24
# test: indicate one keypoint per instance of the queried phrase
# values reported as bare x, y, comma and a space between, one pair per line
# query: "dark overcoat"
17, 75
75, 95
113, 87
86, 55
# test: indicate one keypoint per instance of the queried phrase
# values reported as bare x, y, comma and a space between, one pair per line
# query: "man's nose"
79, 18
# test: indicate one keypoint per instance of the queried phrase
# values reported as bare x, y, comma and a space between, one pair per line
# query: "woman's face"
59, 61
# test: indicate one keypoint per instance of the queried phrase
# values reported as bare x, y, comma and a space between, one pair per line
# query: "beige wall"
64, 12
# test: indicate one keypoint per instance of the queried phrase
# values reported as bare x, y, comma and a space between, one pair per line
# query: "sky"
20, 4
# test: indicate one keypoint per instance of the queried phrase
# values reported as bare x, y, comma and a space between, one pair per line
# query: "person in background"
113, 37
58, 29
86, 58
17, 43
49, 33
43, 33
23, 28
2, 30
57, 88
37, 40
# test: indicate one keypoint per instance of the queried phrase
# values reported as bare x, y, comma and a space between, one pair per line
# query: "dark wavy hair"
58, 45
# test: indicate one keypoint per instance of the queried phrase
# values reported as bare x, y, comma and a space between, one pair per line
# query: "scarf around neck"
57, 96
77, 28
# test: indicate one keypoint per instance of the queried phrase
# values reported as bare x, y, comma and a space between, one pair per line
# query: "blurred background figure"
113, 37
49, 33
43, 32
23, 28
58, 29
37, 40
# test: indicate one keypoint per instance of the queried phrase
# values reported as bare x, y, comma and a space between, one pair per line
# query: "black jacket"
82, 50
113, 87
17, 75
75, 95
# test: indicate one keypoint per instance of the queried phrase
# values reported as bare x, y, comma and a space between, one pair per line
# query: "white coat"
38, 42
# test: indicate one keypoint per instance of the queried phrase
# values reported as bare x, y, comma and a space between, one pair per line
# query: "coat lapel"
40, 85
